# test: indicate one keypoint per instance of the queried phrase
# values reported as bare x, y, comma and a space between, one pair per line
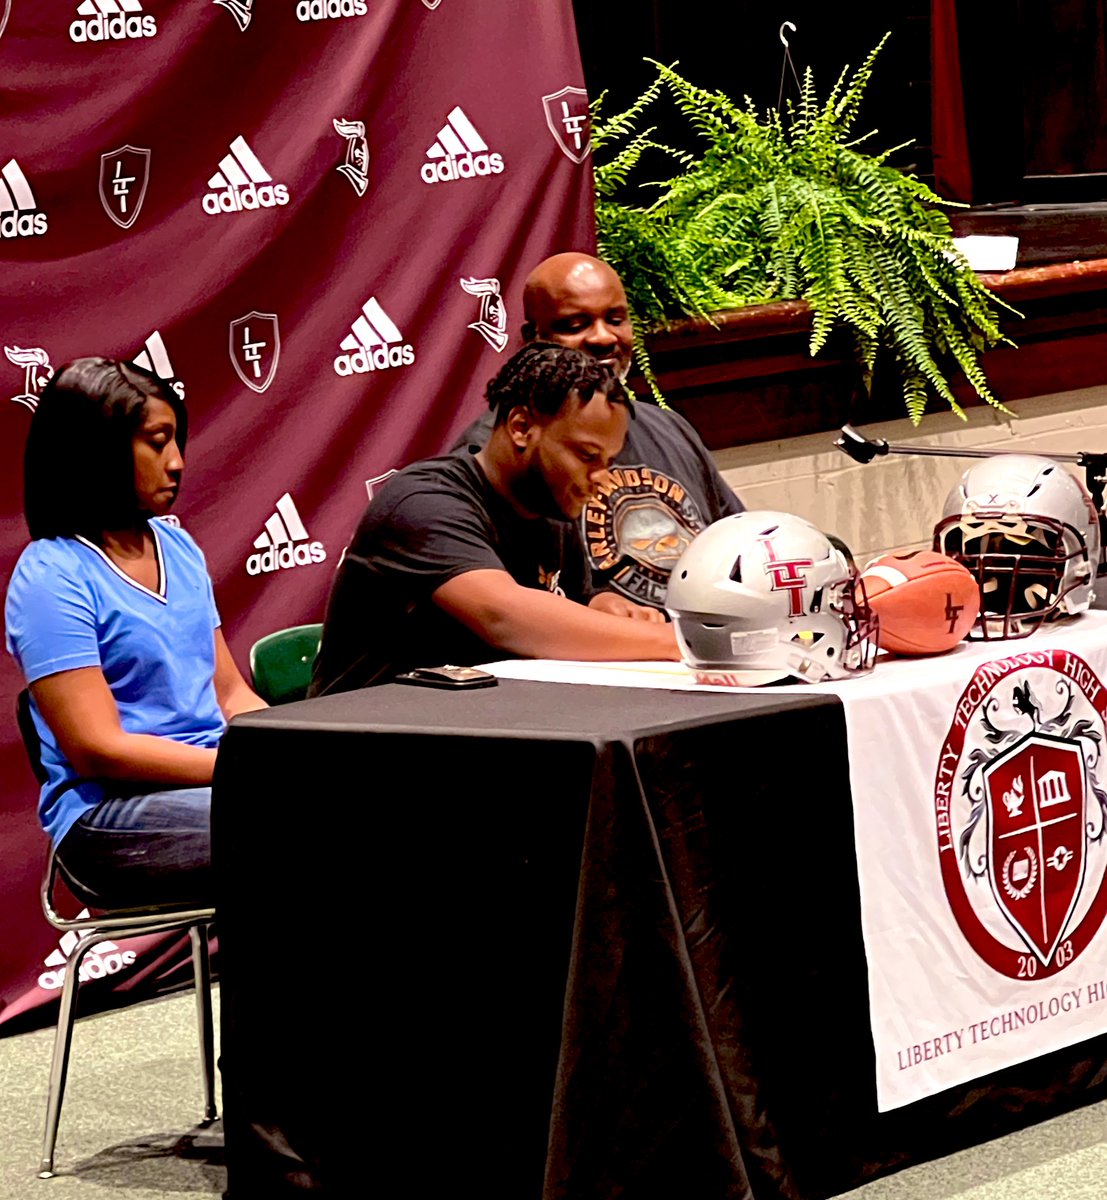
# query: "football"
926, 601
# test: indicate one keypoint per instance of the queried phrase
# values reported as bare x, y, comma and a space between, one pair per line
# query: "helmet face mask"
1029, 535
765, 596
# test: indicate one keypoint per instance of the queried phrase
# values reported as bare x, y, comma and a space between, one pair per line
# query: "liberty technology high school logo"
1020, 814
36, 373
255, 349
492, 322
567, 119
241, 10
356, 165
124, 175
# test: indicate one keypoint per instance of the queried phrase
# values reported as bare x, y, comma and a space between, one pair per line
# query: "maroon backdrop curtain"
949, 139
315, 217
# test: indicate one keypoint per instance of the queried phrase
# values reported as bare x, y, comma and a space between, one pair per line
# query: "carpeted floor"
129, 1123
129, 1126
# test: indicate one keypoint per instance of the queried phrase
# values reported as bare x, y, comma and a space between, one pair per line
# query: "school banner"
980, 807
314, 217
980, 814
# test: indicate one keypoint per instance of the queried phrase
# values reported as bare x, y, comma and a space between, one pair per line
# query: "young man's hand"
620, 606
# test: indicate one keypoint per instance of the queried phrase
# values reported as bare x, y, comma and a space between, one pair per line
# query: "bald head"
577, 300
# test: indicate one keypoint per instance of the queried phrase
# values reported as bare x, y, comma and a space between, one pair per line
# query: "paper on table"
668, 676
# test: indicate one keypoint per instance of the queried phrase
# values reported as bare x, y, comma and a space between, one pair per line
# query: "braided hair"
541, 376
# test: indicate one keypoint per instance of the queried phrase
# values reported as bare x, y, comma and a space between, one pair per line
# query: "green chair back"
281, 662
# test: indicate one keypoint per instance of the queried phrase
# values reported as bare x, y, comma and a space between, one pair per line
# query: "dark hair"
78, 465
542, 375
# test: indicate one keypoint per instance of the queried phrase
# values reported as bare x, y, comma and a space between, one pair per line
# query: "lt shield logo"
1035, 806
124, 175
255, 348
567, 117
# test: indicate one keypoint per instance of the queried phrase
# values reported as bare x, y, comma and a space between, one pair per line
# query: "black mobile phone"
448, 677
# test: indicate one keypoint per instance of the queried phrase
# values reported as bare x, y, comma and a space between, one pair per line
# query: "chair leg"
63, 1038
201, 966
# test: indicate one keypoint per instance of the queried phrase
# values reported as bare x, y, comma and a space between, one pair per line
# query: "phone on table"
448, 677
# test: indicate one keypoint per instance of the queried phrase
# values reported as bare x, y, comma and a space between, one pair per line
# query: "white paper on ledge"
989, 252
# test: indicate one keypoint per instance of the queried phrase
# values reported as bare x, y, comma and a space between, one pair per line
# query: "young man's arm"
535, 624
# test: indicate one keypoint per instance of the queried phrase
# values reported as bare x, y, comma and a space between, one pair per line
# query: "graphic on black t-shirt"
550, 580
637, 528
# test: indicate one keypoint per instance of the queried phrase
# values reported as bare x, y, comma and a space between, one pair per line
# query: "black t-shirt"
431, 522
664, 490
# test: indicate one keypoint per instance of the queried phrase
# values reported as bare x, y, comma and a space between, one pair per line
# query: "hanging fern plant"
785, 206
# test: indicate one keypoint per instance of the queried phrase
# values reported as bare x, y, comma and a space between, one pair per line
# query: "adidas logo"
111, 21
155, 359
322, 10
375, 343
17, 204
105, 958
235, 185
284, 543
459, 152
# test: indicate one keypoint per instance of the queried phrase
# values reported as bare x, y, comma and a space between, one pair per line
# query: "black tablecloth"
542, 940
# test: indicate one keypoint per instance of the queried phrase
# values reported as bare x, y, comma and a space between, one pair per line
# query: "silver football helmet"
1029, 533
763, 596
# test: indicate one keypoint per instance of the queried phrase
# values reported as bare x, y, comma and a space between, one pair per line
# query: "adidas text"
464, 166
22, 224
320, 10
113, 29
378, 359
93, 966
278, 558
249, 196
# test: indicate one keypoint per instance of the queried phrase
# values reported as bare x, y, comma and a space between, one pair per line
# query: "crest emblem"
371, 485
356, 166
124, 175
492, 322
5, 10
255, 348
569, 122
36, 373
1021, 818
432, 4
1035, 804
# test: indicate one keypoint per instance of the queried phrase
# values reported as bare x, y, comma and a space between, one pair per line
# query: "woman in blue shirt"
111, 618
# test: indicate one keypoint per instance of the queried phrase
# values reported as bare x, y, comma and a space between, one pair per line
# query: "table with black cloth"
544, 940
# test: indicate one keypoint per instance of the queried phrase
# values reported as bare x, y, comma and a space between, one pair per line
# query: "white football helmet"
763, 596
1029, 533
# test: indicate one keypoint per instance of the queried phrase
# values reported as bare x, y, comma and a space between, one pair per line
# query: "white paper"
989, 252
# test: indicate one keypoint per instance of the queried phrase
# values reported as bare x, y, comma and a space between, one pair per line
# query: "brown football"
927, 602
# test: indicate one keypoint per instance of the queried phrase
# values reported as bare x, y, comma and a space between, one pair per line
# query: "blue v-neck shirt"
70, 606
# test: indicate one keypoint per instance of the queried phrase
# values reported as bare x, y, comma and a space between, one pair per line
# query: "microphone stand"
863, 450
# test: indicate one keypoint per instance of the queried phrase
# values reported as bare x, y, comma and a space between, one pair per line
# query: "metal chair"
281, 662
106, 926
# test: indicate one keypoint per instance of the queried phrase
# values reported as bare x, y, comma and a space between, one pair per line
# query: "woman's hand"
232, 691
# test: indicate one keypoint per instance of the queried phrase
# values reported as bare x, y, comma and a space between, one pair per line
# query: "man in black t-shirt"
664, 487
471, 557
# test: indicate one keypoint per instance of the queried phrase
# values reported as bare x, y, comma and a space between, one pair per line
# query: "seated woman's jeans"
140, 849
